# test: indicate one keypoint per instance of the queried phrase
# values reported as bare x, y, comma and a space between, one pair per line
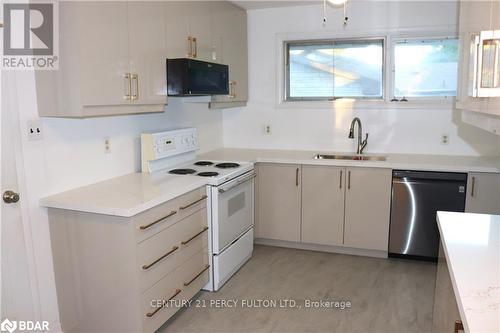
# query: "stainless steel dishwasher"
416, 197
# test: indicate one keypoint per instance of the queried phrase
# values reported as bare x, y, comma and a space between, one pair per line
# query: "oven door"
233, 210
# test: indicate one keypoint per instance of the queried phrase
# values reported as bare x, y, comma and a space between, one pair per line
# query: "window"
425, 68
331, 69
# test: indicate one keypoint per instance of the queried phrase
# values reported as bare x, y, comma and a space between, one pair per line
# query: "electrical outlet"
107, 145
34, 129
267, 129
445, 139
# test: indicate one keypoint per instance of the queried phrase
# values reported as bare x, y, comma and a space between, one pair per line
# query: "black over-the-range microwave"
189, 77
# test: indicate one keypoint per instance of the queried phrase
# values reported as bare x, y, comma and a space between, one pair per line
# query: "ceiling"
257, 4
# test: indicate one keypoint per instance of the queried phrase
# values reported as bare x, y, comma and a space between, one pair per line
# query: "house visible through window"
323, 70
425, 68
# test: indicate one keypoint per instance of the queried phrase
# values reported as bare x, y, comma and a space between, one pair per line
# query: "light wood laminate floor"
387, 295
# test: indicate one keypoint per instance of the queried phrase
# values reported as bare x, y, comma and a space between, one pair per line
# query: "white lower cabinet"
279, 199
483, 193
367, 208
324, 205
118, 274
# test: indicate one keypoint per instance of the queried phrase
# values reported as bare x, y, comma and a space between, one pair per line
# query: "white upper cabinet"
229, 35
103, 51
112, 54
479, 84
188, 25
111, 61
147, 51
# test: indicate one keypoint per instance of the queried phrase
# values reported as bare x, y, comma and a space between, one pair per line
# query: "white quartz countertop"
126, 195
471, 243
393, 161
134, 193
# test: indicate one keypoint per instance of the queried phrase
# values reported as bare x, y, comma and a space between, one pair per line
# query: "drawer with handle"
160, 302
168, 249
163, 216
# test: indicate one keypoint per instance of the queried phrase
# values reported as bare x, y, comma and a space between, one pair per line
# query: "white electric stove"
230, 192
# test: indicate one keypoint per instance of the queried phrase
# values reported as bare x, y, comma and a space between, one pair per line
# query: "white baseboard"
322, 248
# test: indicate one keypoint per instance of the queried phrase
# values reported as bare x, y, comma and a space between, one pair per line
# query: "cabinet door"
103, 51
367, 208
177, 27
483, 193
474, 17
279, 202
230, 29
200, 27
147, 50
323, 205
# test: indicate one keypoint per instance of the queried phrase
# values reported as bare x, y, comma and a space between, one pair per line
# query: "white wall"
72, 154
416, 130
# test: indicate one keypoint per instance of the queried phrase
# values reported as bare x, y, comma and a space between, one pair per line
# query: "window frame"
286, 47
394, 41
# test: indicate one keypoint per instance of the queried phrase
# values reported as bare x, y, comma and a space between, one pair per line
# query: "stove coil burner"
227, 165
208, 174
182, 171
204, 163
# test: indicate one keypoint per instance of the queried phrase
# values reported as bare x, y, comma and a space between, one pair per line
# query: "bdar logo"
8, 326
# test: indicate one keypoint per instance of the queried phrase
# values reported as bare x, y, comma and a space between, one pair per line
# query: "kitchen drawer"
163, 216
181, 284
168, 249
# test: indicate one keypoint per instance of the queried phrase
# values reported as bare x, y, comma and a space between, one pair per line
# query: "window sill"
349, 104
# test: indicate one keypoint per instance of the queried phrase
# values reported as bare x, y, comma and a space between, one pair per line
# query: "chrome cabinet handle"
340, 183
349, 180
128, 88
193, 203
135, 95
297, 177
195, 52
175, 248
239, 182
151, 314
193, 237
172, 213
197, 276
473, 186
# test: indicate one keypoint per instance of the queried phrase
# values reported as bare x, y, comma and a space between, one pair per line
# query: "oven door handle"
238, 182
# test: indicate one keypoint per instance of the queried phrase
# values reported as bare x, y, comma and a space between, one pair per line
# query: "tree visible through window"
335, 69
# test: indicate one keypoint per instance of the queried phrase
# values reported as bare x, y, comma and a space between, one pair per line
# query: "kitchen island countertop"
471, 244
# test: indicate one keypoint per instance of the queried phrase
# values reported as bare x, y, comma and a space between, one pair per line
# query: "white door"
17, 271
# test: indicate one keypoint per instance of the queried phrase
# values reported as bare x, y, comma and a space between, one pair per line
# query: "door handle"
10, 197
195, 52
349, 180
473, 186
135, 95
340, 183
190, 46
128, 88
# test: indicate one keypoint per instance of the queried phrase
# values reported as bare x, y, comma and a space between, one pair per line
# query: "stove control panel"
160, 145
